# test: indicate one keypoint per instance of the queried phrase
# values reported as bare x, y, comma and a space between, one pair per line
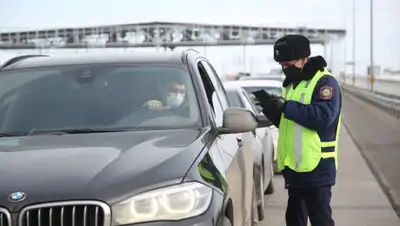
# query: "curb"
379, 176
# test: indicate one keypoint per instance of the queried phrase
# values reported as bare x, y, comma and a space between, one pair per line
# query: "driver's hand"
154, 105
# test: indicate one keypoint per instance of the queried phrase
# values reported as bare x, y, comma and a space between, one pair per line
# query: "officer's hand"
154, 105
273, 109
279, 104
274, 106
262, 97
274, 96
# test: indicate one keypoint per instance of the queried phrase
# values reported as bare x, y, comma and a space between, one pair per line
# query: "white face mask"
175, 100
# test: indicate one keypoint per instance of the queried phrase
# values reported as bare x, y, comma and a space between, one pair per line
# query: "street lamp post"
332, 56
244, 58
354, 42
372, 71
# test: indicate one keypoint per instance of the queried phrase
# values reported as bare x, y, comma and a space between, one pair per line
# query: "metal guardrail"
383, 85
385, 102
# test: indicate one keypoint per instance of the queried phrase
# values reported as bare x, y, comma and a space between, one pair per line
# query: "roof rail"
185, 53
19, 58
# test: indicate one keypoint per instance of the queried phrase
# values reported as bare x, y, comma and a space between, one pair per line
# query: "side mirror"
238, 120
263, 121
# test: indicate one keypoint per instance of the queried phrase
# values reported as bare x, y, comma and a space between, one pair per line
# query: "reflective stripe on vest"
300, 148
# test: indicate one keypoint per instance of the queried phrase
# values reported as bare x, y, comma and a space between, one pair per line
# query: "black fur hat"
291, 47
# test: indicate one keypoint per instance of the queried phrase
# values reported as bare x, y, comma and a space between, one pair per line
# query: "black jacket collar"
313, 65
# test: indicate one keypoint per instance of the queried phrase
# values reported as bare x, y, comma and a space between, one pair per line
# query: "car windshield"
234, 99
269, 89
97, 97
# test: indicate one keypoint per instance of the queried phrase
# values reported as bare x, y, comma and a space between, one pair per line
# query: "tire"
275, 164
276, 170
226, 222
254, 212
261, 205
271, 188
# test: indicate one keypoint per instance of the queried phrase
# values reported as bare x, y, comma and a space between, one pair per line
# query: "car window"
218, 110
234, 99
213, 99
97, 96
217, 84
248, 103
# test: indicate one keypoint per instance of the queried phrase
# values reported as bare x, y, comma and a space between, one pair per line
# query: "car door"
259, 141
264, 134
237, 153
262, 131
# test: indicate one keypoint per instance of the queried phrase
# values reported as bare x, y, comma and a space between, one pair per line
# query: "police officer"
308, 116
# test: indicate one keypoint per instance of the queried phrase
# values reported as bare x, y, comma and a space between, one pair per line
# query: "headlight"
169, 203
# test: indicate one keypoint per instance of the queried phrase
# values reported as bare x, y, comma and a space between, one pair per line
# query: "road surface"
378, 136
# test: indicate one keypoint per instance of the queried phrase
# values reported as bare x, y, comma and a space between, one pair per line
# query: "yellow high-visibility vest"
300, 148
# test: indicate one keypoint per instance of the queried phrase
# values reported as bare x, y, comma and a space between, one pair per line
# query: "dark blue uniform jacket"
321, 115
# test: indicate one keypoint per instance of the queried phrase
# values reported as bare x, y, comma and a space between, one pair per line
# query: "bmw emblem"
17, 196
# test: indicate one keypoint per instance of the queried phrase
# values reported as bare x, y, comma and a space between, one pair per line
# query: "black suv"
122, 139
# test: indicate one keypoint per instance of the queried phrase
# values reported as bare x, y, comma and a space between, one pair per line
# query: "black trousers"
314, 203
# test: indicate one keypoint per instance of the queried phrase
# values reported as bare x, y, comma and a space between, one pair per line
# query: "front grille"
80, 213
5, 218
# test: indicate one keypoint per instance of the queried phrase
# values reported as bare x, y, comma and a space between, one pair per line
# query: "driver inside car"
173, 96
165, 98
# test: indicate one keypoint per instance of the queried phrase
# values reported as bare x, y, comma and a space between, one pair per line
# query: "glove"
262, 96
276, 105
264, 99
271, 104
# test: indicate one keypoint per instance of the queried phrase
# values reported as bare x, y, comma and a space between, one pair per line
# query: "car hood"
102, 166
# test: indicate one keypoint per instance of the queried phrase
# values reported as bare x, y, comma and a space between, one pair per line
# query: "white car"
277, 77
271, 86
263, 146
250, 85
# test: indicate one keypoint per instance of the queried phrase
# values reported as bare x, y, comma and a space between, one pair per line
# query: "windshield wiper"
73, 131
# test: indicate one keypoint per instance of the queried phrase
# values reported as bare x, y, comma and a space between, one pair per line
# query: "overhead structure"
158, 34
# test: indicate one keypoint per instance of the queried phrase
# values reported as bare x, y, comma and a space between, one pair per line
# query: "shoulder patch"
326, 92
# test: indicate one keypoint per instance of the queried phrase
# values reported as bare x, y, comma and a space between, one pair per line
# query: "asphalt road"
377, 135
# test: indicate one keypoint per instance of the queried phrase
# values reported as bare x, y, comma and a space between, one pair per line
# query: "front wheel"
275, 163
271, 188
261, 202
226, 222
276, 170
254, 211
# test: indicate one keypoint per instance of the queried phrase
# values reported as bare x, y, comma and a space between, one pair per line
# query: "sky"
37, 14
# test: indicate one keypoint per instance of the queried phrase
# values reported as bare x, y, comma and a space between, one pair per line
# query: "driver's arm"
154, 105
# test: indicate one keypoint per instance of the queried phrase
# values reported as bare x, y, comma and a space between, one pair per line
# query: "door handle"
239, 142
